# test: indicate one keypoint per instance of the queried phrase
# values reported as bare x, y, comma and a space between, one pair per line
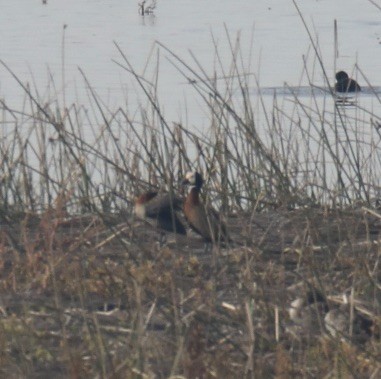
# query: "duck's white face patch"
190, 176
140, 210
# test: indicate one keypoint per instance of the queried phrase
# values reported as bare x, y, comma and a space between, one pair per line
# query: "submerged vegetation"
86, 290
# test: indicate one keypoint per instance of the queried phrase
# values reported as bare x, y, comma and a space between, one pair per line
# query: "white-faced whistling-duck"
312, 314
307, 313
160, 209
204, 221
350, 324
345, 84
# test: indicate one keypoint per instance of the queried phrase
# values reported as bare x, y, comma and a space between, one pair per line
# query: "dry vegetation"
86, 290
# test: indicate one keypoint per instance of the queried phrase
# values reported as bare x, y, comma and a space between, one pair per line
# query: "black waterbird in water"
345, 84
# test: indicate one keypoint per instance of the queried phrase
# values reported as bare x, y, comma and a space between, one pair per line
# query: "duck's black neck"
198, 181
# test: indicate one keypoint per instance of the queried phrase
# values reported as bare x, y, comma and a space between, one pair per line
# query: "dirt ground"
97, 296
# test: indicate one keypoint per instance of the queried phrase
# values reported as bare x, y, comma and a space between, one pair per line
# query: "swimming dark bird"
160, 209
345, 84
203, 220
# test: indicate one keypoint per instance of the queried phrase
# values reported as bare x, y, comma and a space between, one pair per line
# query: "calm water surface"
33, 34
46, 46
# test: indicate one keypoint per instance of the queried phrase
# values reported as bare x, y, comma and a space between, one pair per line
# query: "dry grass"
90, 297
87, 291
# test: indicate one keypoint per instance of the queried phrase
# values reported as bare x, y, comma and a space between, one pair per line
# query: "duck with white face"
203, 220
160, 210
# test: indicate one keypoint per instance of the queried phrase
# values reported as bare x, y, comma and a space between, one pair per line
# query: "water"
33, 42
54, 47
